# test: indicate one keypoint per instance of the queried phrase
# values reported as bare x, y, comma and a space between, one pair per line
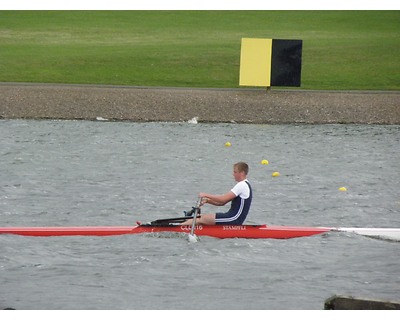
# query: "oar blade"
193, 238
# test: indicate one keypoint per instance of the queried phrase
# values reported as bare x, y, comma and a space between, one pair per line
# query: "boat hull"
217, 231
380, 233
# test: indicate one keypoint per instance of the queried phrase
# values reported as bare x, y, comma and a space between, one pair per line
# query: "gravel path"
122, 103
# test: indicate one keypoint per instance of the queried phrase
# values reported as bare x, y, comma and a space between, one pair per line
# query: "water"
75, 173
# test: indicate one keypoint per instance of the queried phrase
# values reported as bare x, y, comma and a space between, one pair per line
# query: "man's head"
240, 171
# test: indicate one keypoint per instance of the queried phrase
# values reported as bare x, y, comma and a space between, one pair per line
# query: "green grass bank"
342, 50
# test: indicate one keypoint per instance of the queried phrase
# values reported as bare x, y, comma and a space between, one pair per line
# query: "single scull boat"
218, 231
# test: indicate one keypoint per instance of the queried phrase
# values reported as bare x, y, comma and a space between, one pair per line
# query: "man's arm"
217, 200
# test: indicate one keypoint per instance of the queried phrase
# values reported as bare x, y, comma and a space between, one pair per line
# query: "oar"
192, 237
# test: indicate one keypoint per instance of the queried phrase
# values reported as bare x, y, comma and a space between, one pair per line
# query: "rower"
240, 197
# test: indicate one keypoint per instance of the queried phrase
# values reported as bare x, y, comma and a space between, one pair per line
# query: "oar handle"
198, 202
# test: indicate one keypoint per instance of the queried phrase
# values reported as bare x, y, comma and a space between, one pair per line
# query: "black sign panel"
286, 63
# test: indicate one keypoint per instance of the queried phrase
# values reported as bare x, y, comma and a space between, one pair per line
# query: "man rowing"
240, 197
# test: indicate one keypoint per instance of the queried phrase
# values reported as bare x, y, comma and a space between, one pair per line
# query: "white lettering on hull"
188, 228
234, 228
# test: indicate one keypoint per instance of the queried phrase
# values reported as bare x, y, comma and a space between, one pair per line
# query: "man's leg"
208, 219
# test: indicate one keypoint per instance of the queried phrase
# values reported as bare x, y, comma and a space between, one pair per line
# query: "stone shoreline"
124, 103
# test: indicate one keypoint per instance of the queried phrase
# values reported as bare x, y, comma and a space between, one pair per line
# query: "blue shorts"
226, 218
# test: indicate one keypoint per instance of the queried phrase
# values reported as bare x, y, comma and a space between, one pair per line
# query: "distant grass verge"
342, 50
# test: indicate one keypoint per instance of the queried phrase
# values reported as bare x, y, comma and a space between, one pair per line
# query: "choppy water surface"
74, 173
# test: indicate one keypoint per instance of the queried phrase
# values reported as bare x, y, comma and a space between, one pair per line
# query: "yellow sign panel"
255, 62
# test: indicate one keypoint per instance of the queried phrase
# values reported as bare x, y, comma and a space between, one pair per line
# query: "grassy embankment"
341, 49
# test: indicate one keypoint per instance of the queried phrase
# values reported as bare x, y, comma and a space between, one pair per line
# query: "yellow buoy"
276, 174
342, 189
227, 144
264, 161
